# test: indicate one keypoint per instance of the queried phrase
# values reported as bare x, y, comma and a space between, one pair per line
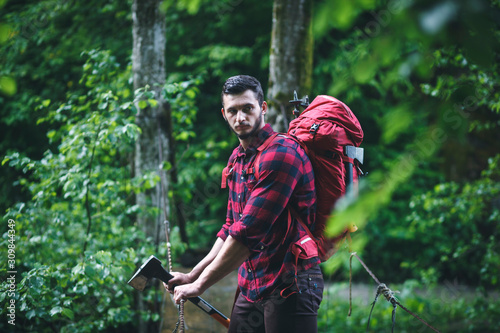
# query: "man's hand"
230, 256
187, 291
178, 279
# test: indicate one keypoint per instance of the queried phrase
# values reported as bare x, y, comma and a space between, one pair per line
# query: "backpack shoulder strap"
228, 170
254, 169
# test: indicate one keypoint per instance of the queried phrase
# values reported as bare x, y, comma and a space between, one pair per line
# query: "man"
278, 291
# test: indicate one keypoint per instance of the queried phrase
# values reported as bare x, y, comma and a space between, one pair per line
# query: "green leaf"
104, 257
190, 93
51, 134
30, 314
68, 313
143, 104
395, 122
103, 105
77, 270
55, 310
165, 165
183, 136
153, 102
89, 270
7, 85
4, 32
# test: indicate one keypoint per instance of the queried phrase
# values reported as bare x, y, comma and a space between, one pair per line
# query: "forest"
110, 125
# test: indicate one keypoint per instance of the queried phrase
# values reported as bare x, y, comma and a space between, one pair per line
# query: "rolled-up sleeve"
224, 231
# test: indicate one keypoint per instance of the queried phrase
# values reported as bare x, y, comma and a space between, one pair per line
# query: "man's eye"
247, 109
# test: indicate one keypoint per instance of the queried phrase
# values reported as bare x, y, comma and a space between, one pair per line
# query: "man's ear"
223, 114
264, 107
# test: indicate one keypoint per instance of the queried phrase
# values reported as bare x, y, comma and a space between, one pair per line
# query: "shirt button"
239, 196
241, 215
262, 247
249, 270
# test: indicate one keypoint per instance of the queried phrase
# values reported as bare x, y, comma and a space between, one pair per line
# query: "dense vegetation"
422, 77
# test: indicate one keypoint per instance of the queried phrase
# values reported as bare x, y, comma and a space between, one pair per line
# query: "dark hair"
239, 84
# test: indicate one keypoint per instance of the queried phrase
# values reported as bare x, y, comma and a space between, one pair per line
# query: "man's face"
243, 113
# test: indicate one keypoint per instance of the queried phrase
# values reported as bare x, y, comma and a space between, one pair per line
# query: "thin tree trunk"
148, 67
176, 213
291, 58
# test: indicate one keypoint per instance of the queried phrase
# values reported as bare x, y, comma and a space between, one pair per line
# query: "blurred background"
110, 124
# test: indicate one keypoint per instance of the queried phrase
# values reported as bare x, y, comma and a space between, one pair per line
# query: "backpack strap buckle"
314, 128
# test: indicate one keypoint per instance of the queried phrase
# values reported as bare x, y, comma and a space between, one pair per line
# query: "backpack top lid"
329, 108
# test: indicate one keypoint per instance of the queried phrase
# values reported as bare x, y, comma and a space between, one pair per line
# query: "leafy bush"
456, 228
449, 308
75, 238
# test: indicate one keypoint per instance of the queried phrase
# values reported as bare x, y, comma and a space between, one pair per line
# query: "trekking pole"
296, 102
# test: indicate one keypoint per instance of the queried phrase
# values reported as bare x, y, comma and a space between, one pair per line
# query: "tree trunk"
291, 58
148, 67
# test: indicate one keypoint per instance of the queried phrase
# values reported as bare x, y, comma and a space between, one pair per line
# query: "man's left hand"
187, 291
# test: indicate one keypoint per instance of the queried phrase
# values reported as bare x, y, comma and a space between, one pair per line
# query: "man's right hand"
181, 278
177, 280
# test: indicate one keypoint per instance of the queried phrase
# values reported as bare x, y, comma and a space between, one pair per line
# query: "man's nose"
240, 116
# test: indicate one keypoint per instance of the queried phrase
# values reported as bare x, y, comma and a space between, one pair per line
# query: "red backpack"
329, 133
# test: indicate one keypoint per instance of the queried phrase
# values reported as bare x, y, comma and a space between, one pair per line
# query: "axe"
152, 268
354, 153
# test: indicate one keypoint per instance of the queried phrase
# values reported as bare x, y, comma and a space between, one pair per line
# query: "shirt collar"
258, 139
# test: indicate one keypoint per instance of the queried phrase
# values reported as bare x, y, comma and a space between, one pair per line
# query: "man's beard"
254, 130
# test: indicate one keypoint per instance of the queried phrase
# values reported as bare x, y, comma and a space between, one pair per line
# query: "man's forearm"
198, 269
230, 257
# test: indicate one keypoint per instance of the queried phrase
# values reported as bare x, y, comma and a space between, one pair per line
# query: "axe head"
152, 268
356, 153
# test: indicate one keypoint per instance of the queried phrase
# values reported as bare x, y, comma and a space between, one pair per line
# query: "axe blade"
152, 268
356, 153
138, 282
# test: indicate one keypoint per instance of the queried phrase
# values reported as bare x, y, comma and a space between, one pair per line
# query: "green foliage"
59, 293
424, 86
43, 57
456, 228
426, 100
182, 100
196, 193
76, 236
450, 308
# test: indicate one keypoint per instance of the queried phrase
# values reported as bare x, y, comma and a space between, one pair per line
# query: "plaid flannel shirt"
257, 216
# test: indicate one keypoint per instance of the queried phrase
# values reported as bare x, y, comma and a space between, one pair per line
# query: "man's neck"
245, 143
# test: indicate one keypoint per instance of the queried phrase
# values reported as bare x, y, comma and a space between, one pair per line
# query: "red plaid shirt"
256, 214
